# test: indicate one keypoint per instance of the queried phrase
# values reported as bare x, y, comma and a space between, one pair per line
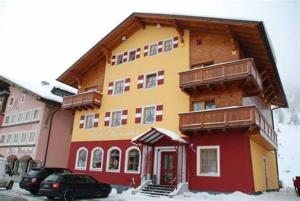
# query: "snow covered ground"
287, 194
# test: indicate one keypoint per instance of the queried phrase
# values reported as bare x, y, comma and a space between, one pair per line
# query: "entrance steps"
155, 190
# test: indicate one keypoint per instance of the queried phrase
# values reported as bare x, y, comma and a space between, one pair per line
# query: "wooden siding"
86, 100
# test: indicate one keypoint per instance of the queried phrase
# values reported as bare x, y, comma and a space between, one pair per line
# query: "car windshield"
52, 177
34, 172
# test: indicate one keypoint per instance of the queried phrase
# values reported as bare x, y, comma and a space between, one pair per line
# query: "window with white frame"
153, 49
114, 159
132, 55
23, 98
21, 117
96, 159
28, 116
151, 80
16, 138
148, 115
23, 137
2, 139
81, 159
31, 137
36, 114
89, 121
208, 161
168, 45
119, 59
132, 163
116, 119
7, 119
119, 87
14, 118
9, 139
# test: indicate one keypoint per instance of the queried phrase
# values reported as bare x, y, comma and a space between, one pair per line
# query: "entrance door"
168, 168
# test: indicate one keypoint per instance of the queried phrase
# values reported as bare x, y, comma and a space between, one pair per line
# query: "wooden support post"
106, 52
179, 30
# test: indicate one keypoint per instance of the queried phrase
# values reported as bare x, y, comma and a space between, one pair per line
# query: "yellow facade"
258, 154
169, 94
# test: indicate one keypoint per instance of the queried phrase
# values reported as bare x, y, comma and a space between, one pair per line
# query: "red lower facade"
235, 162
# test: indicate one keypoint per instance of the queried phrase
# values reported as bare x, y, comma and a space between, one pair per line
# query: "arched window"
81, 159
113, 160
132, 163
96, 159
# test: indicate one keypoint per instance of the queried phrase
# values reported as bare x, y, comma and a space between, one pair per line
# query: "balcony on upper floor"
228, 118
242, 73
83, 101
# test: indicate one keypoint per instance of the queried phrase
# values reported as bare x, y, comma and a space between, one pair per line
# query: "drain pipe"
276, 155
49, 134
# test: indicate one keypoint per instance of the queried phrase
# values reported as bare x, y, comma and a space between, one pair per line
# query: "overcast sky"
40, 39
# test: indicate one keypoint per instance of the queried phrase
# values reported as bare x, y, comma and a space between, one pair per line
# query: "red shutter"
160, 77
127, 84
146, 50
160, 46
138, 115
140, 83
113, 60
125, 56
107, 118
175, 42
138, 53
124, 117
159, 112
96, 120
110, 88
81, 122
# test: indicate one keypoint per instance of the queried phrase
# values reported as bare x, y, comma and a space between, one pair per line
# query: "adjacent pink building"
35, 130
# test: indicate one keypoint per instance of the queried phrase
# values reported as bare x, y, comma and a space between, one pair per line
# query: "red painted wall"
235, 163
120, 178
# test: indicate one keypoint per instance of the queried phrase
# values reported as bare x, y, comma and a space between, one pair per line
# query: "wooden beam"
233, 37
139, 23
77, 77
179, 30
106, 52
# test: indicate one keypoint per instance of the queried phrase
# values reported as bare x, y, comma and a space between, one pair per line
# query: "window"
151, 80
2, 139
210, 105
198, 106
9, 139
2, 100
119, 87
35, 114
81, 159
153, 49
31, 136
11, 101
149, 115
208, 161
132, 160
168, 45
203, 105
96, 159
23, 98
28, 116
116, 119
16, 138
23, 137
114, 158
132, 55
89, 121
119, 59
14, 118
21, 117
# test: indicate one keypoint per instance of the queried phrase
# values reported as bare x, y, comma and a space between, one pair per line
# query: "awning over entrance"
155, 134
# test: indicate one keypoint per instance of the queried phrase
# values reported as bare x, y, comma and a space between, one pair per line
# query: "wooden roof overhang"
250, 35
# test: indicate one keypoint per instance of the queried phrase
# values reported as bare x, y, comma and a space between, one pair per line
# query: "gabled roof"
251, 36
43, 92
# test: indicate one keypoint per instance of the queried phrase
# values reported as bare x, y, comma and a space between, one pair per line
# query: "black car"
31, 181
70, 186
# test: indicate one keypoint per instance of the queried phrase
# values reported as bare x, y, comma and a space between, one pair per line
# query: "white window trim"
171, 44
35, 133
199, 148
145, 79
91, 160
108, 157
149, 49
77, 157
142, 118
115, 86
111, 118
122, 58
126, 161
85, 117
132, 50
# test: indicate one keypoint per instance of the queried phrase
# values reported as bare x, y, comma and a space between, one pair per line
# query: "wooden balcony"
232, 117
241, 72
83, 101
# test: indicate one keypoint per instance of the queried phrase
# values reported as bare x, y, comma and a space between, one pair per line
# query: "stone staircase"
154, 190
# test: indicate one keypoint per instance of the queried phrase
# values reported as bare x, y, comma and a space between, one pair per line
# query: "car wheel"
10, 185
34, 192
50, 197
69, 195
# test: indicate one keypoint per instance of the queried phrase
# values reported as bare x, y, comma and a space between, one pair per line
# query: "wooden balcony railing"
83, 101
220, 74
231, 117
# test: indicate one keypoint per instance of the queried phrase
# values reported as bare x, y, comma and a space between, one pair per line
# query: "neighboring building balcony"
83, 101
231, 117
241, 72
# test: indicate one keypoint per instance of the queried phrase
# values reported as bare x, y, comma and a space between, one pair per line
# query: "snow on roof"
43, 91
164, 131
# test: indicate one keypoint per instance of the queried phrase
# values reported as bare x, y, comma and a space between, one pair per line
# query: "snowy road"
284, 195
